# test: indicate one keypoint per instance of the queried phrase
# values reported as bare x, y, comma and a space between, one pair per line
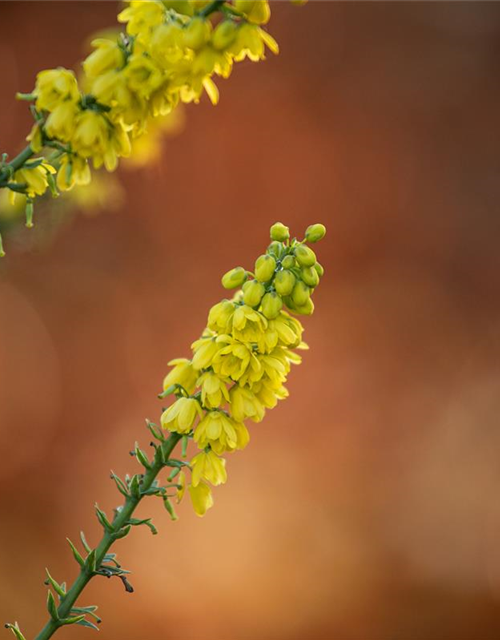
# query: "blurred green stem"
122, 517
15, 164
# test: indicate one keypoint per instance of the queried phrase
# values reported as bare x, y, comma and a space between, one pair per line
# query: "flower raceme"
170, 53
240, 364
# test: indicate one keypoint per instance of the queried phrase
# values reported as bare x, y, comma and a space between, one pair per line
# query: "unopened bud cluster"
241, 362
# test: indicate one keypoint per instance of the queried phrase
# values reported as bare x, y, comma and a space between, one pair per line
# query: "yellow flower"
220, 316
54, 86
204, 351
107, 56
181, 416
183, 373
61, 122
221, 433
245, 404
73, 170
257, 11
143, 76
235, 360
34, 178
142, 17
97, 138
213, 390
250, 43
201, 497
208, 466
248, 325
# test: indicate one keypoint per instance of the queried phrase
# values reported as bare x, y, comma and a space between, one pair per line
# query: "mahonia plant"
170, 52
237, 371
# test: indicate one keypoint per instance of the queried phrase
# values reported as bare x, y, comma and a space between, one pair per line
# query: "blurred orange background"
366, 506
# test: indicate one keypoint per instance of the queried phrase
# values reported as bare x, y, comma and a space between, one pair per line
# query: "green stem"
16, 164
211, 8
121, 519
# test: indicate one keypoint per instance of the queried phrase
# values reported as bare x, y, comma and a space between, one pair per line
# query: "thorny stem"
120, 520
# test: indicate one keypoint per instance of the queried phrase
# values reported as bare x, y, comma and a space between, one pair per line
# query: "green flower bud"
264, 268
197, 33
300, 294
310, 276
288, 262
315, 232
271, 305
275, 248
284, 282
224, 34
253, 292
305, 256
279, 232
234, 278
319, 269
306, 309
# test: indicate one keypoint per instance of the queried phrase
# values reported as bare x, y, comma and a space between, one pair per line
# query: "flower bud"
224, 34
279, 232
300, 294
310, 276
253, 292
319, 269
315, 232
271, 305
284, 282
264, 268
256, 11
197, 33
288, 262
275, 248
234, 278
306, 309
305, 256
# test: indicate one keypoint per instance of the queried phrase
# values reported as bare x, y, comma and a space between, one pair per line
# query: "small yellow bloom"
221, 433
201, 497
73, 170
183, 373
107, 56
213, 390
248, 325
34, 178
61, 122
181, 416
244, 404
208, 466
220, 316
205, 350
235, 360
54, 86
257, 11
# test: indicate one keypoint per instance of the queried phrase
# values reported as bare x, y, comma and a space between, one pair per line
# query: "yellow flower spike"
183, 373
181, 416
201, 497
208, 466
